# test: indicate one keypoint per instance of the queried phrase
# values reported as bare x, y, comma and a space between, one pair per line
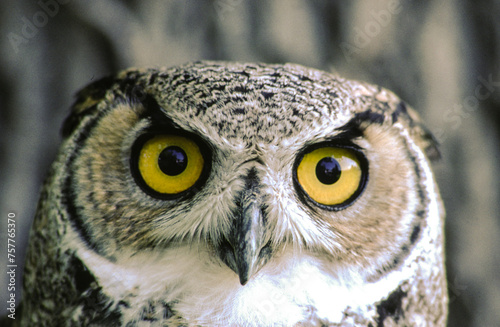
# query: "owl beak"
245, 250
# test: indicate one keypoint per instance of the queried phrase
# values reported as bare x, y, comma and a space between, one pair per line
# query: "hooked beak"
245, 250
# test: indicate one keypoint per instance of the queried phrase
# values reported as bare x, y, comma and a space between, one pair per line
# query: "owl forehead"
252, 101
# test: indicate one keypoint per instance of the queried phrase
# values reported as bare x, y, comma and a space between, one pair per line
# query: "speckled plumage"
103, 252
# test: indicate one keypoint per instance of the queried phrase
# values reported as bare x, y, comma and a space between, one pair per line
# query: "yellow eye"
330, 176
170, 164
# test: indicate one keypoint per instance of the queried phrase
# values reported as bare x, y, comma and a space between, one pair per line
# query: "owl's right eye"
332, 177
169, 164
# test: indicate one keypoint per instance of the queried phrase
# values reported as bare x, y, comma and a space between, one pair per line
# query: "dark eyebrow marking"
157, 116
353, 128
370, 116
152, 109
349, 131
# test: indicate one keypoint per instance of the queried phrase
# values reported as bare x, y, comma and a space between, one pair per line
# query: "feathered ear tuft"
85, 104
421, 134
428, 143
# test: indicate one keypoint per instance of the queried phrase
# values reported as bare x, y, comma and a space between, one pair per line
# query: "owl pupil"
172, 161
328, 170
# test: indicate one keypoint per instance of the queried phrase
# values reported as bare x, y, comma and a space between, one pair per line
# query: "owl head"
245, 173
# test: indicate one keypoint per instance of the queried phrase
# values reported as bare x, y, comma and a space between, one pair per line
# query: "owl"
238, 194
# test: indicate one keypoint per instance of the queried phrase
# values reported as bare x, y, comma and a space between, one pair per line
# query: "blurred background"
441, 56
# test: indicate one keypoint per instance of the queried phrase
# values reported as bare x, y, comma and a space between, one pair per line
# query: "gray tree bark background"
442, 57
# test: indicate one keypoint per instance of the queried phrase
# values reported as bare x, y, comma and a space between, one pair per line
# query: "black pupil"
328, 170
172, 161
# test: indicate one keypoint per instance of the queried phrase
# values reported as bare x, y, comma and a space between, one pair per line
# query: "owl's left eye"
169, 164
331, 176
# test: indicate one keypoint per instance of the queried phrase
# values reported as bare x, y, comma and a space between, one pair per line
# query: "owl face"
244, 173
249, 164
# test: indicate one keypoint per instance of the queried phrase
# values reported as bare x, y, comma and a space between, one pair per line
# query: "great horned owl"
238, 194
